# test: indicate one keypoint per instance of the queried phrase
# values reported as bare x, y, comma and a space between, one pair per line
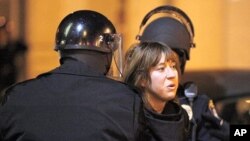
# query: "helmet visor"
109, 41
116, 69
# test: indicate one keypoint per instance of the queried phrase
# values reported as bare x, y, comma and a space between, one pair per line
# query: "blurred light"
248, 101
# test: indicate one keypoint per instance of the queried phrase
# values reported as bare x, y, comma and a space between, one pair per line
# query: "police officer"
76, 101
174, 28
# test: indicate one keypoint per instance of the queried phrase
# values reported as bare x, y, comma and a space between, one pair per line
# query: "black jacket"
71, 103
171, 125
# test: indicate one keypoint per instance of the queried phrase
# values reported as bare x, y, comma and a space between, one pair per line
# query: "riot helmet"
87, 33
87, 30
172, 27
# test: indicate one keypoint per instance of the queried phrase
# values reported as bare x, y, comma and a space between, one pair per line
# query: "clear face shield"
116, 69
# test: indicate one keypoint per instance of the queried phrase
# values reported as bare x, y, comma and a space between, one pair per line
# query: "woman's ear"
143, 83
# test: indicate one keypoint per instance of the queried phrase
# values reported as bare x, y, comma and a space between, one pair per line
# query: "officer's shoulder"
20, 84
123, 84
116, 81
203, 97
14, 89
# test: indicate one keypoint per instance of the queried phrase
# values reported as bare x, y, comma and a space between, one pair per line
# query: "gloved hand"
217, 127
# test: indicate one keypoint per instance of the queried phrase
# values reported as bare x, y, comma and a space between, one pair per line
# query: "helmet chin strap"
182, 59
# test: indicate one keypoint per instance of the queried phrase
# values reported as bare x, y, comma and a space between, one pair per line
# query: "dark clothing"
175, 120
200, 106
71, 103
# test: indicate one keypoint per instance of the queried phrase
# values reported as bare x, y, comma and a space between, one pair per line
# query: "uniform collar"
75, 67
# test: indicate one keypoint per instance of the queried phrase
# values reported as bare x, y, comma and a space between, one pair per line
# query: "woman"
151, 68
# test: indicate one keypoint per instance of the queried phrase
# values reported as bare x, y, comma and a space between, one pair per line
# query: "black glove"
216, 126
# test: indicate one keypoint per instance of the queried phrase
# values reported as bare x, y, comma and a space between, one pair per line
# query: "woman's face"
164, 81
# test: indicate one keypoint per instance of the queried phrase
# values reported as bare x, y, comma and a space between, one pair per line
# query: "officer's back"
74, 101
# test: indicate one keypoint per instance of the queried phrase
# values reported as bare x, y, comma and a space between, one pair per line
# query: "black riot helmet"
87, 30
172, 27
87, 36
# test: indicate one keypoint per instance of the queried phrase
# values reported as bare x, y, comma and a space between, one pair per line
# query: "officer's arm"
217, 127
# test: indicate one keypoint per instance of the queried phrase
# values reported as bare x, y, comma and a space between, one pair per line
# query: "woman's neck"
152, 103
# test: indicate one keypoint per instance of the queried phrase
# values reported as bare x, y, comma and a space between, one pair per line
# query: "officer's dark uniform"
69, 103
200, 106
